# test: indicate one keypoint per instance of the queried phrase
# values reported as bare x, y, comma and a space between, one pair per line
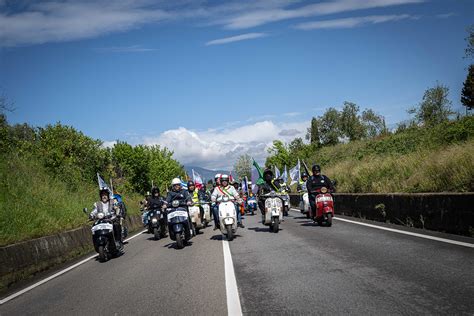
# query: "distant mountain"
207, 174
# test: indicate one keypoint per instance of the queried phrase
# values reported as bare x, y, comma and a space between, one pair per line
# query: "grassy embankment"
436, 159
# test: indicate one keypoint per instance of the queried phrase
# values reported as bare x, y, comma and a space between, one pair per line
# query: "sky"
212, 80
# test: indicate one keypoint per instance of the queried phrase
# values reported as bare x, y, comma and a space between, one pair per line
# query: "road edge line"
57, 274
232, 293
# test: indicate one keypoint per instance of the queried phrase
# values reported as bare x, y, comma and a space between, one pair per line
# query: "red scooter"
324, 207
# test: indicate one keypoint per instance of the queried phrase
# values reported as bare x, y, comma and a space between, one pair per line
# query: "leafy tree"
279, 155
470, 42
330, 131
435, 107
162, 167
243, 167
374, 124
467, 93
351, 125
313, 132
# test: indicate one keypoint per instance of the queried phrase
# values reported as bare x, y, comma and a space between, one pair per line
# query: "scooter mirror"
85, 210
334, 182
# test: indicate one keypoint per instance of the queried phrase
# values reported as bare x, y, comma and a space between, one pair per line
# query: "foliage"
435, 107
470, 42
313, 132
467, 93
350, 122
243, 167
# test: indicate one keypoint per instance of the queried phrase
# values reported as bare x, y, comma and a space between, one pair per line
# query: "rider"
302, 182
316, 182
107, 206
196, 196
155, 202
143, 208
270, 185
225, 189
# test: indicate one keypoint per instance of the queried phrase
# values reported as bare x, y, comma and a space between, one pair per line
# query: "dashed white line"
31, 287
449, 241
232, 293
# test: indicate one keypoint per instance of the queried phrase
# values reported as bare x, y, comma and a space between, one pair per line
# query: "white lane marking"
449, 241
31, 287
232, 293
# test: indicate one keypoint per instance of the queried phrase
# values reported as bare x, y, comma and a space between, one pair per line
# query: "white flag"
284, 176
295, 174
197, 179
103, 185
277, 172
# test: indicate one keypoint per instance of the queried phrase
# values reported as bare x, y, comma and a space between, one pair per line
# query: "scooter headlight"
225, 198
154, 220
100, 215
324, 190
175, 203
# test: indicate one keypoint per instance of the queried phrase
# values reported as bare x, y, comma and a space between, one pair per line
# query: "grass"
35, 204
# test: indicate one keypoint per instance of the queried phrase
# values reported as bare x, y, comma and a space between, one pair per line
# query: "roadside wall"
24, 259
446, 212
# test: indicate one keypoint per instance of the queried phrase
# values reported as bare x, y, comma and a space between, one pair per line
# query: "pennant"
197, 179
277, 172
295, 173
103, 185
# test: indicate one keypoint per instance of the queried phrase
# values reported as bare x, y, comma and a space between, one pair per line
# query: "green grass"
34, 204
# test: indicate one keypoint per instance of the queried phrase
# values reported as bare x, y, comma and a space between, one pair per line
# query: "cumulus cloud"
109, 144
352, 22
220, 149
236, 38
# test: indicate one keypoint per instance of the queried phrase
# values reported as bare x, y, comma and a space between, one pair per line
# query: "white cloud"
220, 149
445, 15
351, 22
109, 144
126, 49
237, 38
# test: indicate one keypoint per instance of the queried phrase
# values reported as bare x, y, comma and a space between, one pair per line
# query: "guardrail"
446, 212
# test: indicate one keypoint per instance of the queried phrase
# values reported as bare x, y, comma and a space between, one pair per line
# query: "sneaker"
216, 228
241, 225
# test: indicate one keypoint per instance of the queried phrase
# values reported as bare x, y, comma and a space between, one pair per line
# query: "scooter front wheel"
102, 254
329, 220
275, 226
179, 241
230, 235
156, 233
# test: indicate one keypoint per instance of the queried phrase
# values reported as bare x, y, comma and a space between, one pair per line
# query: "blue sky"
212, 79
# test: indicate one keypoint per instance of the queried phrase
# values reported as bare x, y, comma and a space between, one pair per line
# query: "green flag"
260, 180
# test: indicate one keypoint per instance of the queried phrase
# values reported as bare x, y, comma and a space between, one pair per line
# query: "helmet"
224, 177
155, 190
176, 181
316, 168
304, 174
104, 191
191, 183
217, 176
268, 171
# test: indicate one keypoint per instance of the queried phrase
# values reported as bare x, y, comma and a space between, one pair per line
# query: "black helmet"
104, 191
155, 190
268, 171
304, 174
316, 168
191, 183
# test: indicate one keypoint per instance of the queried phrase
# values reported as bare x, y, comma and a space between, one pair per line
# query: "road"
304, 269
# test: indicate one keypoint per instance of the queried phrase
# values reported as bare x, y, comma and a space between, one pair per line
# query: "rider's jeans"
145, 218
239, 215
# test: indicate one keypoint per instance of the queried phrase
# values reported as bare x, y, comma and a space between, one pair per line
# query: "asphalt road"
304, 269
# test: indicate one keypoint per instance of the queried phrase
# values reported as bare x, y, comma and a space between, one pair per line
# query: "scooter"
252, 205
103, 236
195, 214
324, 207
157, 223
286, 203
179, 225
227, 217
206, 219
304, 206
273, 211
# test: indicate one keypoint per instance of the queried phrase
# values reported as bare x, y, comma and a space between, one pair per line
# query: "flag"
103, 185
197, 180
277, 172
284, 176
184, 185
231, 178
305, 168
245, 185
254, 179
259, 180
295, 174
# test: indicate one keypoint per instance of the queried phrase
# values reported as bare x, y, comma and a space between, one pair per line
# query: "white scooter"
273, 211
227, 217
305, 207
207, 213
195, 214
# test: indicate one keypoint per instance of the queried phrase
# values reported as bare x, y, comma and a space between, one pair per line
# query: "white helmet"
217, 176
225, 177
176, 181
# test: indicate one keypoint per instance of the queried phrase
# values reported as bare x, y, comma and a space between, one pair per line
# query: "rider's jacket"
154, 203
182, 195
317, 182
197, 195
302, 186
107, 208
269, 186
220, 191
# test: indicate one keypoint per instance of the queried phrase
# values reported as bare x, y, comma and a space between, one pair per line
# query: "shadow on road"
260, 229
172, 245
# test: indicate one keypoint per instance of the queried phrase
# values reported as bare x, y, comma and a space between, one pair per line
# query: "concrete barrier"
22, 260
446, 212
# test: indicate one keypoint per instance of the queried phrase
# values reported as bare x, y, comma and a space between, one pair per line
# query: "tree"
374, 124
330, 127
313, 132
470, 42
279, 155
435, 107
351, 125
467, 93
243, 167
